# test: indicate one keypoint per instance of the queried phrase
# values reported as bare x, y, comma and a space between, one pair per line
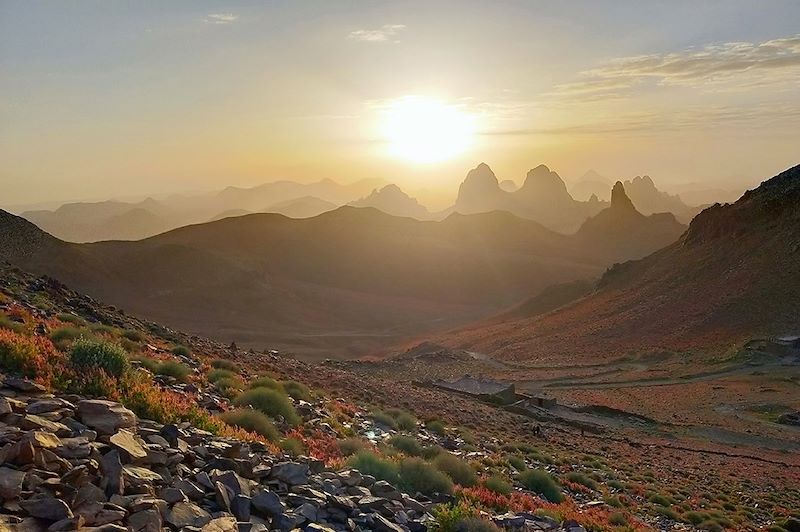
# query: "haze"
105, 100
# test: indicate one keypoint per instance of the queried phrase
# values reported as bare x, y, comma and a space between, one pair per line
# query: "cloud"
382, 34
734, 65
221, 18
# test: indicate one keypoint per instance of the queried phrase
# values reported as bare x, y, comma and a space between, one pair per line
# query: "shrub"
694, 518
8, 323
266, 381
71, 318
253, 421
150, 363
218, 374
542, 483
404, 420
292, 446
271, 402
417, 475
229, 386
657, 498
350, 446
221, 363
297, 390
447, 517
497, 484
382, 418
432, 451
174, 369
435, 426
181, 350
369, 463
111, 358
517, 462
65, 334
618, 519
476, 524
583, 480
406, 444
133, 336
102, 328
130, 346
457, 469
18, 354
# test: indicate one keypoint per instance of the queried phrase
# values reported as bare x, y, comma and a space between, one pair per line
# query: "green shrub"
694, 518
618, 519
435, 426
150, 363
174, 369
88, 354
181, 351
583, 480
516, 462
102, 328
497, 484
382, 418
669, 513
369, 463
657, 498
229, 386
457, 469
11, 325
406, 444
253, 421
541, 482
417, 475
271, 402
65, 334
221, 363
130, 346
133, 336
447, 517
218, 374
292, 447
404, 420
350, 446
71, 318
476, 524
266, 381
297, 390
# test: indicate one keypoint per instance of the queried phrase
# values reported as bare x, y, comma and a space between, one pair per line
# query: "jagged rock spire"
619, 199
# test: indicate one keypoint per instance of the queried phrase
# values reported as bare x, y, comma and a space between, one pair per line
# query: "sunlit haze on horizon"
120, 99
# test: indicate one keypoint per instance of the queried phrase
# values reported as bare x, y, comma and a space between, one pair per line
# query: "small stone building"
496, 392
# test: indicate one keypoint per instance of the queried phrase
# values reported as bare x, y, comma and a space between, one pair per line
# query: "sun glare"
426, 130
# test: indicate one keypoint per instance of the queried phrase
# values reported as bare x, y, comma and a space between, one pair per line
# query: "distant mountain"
116, 220
649, 199
349, 281
508, 185
622, 230
734, 274
230, 213
591, 184
392, 200
305, 207
543, 197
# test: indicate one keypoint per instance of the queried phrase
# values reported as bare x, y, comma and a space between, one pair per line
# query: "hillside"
392, 200
734, 274
265, 279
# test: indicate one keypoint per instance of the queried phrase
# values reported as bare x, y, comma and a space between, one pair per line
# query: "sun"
426, 130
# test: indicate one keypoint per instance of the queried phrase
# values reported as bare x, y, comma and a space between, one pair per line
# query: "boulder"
126, 441
106, 417
47, 508
187, 514
10, 482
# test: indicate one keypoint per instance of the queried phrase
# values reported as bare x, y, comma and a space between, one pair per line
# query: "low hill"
392, 200
305, 207
346, 282
734, 274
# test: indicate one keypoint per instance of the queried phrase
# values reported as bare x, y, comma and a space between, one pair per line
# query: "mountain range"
732, 275
543, 197
266, 279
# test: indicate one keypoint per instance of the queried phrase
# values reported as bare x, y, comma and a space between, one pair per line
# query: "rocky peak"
619, 199
545, 183
481, 174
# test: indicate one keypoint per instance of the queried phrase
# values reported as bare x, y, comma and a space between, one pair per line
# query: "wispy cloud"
737, 65
221, 18
385, 33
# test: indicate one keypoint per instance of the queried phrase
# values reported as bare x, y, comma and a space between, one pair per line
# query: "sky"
103, 99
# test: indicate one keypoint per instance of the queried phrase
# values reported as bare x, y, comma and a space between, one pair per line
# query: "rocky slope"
731, 276
392, 200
